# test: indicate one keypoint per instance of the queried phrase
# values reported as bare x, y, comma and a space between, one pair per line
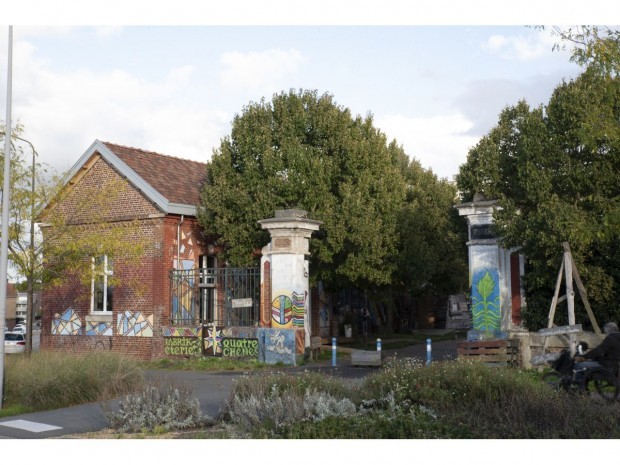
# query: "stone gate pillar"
494, 275
284, 274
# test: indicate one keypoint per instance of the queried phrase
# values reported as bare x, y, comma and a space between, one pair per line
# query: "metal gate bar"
219, 296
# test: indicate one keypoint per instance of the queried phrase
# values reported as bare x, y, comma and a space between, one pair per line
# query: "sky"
172, 81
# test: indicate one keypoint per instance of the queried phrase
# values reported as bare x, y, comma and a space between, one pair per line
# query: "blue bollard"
428, 352
333, 351
378, 345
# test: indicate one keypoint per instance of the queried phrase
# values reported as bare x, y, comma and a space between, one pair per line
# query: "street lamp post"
4, 240
31, 257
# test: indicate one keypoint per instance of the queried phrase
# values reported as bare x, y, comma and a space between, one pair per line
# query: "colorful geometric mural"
134, 324
98, 328
67, 324
287, 310
299, 301
282, 310
183, 308
485, 307
213, 341
173, 331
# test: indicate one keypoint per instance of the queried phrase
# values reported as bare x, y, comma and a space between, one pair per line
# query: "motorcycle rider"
607, 353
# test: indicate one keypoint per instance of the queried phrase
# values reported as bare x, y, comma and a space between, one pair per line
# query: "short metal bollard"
428, 352
378, 345
333, 351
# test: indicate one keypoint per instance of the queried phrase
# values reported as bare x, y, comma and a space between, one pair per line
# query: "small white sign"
241, 303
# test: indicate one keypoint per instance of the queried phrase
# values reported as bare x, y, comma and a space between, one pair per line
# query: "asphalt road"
212, 390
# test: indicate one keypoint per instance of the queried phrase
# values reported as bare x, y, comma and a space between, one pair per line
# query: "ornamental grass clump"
49, 380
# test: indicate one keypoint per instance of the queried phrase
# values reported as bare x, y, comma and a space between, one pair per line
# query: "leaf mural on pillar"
486, 311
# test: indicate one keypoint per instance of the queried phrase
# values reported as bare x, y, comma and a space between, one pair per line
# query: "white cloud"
521, 47
438, 142
64, 112
254, 71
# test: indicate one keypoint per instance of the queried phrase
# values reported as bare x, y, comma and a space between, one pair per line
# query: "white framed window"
100, 290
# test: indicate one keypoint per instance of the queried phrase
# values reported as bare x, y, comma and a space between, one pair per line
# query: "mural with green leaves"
486, 310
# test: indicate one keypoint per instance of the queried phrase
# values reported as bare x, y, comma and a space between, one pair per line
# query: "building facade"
126, 307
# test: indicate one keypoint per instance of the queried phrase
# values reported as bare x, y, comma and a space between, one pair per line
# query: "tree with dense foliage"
433, 246
302, 150
554, 171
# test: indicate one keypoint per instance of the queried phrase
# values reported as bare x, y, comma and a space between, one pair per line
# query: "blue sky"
154, 84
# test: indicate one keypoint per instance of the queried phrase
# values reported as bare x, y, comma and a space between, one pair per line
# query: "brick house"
160, 194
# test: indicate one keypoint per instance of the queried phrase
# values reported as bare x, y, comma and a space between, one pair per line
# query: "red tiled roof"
178, 180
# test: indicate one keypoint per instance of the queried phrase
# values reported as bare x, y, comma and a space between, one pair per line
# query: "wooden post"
554, 301
582, 292
570, 295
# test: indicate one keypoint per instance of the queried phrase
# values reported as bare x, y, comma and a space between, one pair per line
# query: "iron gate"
218, 296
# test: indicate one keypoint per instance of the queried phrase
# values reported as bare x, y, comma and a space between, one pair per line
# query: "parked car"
19, 328
14, 343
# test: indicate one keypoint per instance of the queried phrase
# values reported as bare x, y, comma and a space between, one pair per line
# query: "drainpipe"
179, 243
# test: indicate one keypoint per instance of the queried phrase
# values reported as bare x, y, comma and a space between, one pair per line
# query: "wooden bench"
366, 358
501, 352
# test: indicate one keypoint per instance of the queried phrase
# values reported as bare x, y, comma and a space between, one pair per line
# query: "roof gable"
173, 184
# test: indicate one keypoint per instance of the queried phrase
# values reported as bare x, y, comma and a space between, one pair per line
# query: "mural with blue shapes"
94, 328
183, 307
67, 324
134, 324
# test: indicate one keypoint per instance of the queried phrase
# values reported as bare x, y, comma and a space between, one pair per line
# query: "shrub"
495, 402
157, 409
49, 380
264, 405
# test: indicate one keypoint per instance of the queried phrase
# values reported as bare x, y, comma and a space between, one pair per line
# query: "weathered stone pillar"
285, 257
494, 275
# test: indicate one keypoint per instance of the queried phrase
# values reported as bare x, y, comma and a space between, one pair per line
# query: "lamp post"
31, 257
30, 264
4, 241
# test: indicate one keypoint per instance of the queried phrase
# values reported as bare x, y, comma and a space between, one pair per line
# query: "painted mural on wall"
98, 328
485, 305
182, 346
279, 346
67, 324
176, 331
134, 324
287, 310
240, 348
213, 340
183, 308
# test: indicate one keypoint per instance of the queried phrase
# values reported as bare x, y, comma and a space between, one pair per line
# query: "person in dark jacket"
607, 353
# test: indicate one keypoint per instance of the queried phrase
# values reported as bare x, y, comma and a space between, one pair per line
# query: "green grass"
49, 380
204, 364
15, 410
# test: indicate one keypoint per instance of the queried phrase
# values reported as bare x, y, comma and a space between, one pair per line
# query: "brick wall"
143, 282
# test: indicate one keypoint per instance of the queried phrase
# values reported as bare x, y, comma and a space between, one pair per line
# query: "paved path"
210, 388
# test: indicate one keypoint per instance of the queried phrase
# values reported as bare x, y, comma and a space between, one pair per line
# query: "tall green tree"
433, 249
554, 171
302, 150
388, 223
